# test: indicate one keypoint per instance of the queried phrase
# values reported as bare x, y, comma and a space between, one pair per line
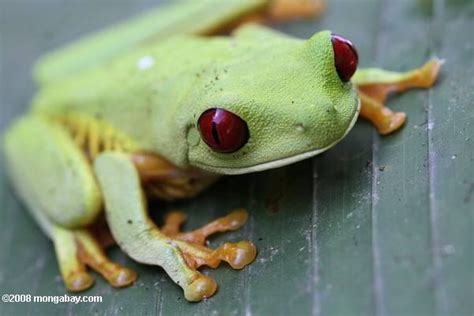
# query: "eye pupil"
222, 130
215, 135
345, 57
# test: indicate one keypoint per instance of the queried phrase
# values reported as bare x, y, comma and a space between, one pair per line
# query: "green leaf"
376, 226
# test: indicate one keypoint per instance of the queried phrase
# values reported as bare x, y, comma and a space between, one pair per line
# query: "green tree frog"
151, 108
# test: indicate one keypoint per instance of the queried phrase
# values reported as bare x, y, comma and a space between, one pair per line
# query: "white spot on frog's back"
300, 128
145, 62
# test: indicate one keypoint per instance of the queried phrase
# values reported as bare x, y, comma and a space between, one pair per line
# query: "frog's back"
133, 91
125, 90
176, 18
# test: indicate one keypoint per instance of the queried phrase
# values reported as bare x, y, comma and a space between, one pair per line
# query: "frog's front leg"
139, 237
374, 85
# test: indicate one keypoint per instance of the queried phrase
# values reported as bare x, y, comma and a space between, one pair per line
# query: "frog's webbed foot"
238, 255
374, 85
77, 249
175, 219
189, 253
384, 119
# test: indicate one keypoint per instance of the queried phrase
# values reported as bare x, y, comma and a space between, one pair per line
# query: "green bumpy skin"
287, 90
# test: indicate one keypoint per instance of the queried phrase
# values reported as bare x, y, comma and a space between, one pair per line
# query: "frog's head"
277, 105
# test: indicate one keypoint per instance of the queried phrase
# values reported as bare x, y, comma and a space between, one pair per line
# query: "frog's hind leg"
374, 85
273, 12
282, 10
53, 176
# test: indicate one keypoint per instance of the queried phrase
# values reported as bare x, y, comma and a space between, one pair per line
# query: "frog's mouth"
282, 161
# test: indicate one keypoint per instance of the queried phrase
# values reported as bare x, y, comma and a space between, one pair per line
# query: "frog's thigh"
51, 174
139, 237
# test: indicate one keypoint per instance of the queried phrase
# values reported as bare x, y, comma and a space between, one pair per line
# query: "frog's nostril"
345, 57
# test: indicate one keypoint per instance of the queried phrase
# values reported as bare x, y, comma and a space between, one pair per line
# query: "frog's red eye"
222, 130
345, 57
